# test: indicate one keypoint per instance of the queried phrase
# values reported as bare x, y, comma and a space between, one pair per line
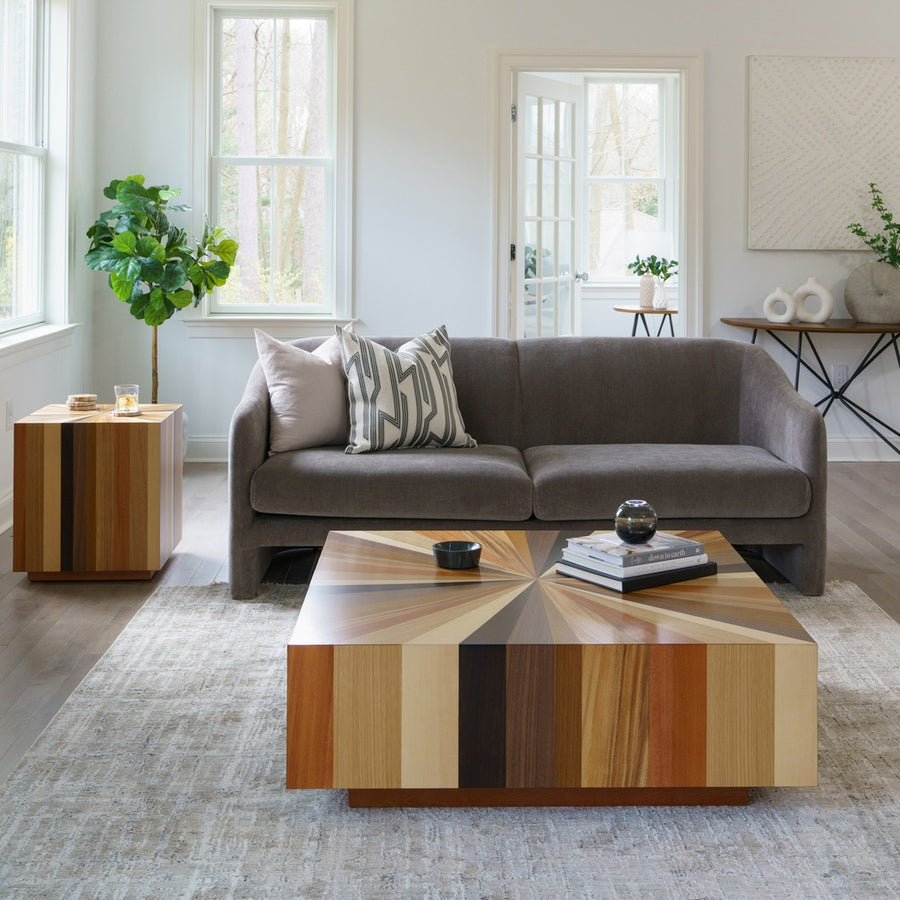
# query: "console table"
884, 338
96, 496
639, 313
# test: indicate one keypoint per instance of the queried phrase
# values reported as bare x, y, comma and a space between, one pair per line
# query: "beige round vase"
648, 289
872, 293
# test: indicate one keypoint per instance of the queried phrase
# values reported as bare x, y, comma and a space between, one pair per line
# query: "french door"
548, 199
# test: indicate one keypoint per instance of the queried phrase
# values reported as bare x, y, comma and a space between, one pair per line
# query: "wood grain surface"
95, 495
509, 676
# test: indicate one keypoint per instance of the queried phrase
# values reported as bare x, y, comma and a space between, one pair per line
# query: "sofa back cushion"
623, 390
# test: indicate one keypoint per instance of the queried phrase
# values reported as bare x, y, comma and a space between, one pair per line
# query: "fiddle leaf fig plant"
153, 265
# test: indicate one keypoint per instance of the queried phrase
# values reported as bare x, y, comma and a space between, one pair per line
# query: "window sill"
30, 343
243, 326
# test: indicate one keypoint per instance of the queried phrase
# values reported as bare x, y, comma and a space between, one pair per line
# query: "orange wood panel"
310, 709
678, 715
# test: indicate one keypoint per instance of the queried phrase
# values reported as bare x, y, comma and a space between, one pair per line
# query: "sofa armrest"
248, 443
774, 416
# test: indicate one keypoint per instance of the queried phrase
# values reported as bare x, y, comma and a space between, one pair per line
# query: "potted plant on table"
153, 265
654, 271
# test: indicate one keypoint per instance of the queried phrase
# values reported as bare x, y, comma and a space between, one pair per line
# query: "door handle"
582, 276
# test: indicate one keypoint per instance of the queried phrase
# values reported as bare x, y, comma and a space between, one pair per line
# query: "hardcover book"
627, 584
573, 555
609, 547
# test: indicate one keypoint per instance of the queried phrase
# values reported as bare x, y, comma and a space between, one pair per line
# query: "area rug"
163, 774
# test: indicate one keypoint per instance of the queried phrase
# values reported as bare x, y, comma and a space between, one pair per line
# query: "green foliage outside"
887, 243
153, 265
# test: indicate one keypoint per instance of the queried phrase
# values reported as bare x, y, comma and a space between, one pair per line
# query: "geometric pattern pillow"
402, 398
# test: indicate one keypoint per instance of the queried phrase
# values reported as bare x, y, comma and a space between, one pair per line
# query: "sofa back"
585, 390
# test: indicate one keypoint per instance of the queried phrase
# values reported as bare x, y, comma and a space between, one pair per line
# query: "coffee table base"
366, 798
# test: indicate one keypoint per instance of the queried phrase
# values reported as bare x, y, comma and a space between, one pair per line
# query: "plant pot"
872, 293
648, 290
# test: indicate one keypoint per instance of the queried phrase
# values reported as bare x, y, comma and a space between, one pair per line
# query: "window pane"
279, 216
531, 187
530, 123
604, 129
274, 87
623, 220
566, 127
548, 187
17, 71
20, 283
641, 131
548, 127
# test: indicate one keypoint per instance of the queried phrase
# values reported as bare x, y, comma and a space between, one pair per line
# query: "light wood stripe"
430, 717
367, 716
740, 716
795, 737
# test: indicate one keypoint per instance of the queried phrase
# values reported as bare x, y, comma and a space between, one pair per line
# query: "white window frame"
207, 320
666, 180
36, 149
689, 253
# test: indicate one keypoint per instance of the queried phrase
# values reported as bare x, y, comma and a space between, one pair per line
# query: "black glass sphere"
636, 521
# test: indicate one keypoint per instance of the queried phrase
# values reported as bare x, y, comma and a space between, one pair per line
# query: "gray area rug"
163, 776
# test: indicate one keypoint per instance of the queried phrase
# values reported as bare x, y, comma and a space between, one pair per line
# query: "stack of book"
604, 559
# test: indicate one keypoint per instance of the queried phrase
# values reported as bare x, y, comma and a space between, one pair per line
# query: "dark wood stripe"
529, 715
482, 716
310, 717
81, 479
568, 716
67, 477
498, 628
678, 715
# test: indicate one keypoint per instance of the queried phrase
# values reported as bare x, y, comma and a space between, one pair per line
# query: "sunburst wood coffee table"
508, 684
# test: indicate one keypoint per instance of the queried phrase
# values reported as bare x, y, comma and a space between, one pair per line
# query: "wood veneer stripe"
615, 691
567, 706
367, 715
430, 731
740, 715
66, 496
530, 695
678, 715
80, 475
50, 514
482, 716
310, 710
796, 686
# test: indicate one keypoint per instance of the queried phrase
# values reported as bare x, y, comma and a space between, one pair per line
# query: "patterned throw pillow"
405, 398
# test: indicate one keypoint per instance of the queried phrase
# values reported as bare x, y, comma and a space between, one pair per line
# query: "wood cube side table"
96, 496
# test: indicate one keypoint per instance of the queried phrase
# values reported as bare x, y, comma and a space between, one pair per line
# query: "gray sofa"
710, 431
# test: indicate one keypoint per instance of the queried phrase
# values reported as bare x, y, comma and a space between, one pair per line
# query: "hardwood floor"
51, 634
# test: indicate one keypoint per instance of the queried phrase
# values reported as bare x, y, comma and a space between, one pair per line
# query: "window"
631, 188
22, 163
279, 156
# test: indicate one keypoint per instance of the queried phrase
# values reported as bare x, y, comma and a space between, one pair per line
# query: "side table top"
668, 311
60, 412
833, 326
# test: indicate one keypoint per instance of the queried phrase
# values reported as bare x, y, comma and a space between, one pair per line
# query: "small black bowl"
457, 554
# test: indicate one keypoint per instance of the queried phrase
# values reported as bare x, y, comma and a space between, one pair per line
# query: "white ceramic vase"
648, 291
659, 295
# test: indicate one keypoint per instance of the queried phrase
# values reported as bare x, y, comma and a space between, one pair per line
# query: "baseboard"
860, 449
207, 448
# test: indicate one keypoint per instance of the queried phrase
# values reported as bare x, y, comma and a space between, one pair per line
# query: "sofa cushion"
580, 481
307, 394
401, 399
487, 482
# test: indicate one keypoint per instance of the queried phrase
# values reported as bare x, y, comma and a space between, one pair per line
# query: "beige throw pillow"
307, 391
402, 399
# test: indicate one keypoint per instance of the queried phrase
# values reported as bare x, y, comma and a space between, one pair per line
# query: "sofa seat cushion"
589, 481
485, 482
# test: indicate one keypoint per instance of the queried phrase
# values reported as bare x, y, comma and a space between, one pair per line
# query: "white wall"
424, 196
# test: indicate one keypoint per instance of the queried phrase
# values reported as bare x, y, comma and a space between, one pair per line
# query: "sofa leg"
247, 569
803, 566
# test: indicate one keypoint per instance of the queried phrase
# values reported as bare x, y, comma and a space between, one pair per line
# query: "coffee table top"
383, 587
